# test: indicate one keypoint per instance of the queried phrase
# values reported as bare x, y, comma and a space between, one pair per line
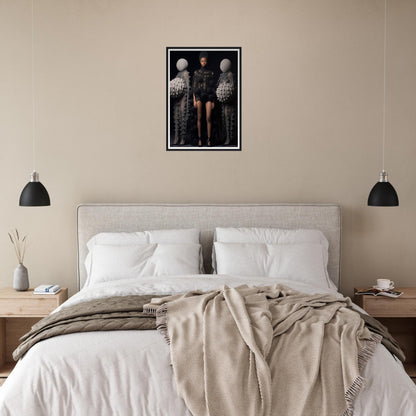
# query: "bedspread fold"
265, 351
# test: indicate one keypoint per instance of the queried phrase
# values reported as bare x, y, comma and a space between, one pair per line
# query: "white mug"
385, 284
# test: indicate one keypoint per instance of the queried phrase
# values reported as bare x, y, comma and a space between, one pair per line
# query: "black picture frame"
186, 81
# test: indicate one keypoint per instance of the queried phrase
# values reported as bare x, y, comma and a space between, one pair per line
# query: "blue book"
47, 290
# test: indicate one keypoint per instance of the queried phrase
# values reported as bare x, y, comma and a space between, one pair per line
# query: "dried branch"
18, 244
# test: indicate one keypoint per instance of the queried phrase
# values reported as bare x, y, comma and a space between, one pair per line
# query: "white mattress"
128, 373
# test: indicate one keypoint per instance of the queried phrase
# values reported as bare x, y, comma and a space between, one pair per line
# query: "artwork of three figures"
203, 98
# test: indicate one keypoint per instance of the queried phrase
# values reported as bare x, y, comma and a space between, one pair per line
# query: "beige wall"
312, 121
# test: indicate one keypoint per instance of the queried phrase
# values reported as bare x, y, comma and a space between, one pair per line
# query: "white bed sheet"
128, 373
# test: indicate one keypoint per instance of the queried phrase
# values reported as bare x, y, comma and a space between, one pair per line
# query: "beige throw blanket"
265, 351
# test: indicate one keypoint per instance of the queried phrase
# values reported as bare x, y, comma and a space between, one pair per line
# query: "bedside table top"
9, 292
408, 292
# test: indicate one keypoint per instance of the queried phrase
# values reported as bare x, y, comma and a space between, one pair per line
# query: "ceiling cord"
384, 86
33, 93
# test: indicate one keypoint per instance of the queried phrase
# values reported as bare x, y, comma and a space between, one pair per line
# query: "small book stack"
47, 290
391, 293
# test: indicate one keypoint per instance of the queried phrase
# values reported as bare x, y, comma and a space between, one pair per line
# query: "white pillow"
302, 262
115, 262
181, 236
272, 236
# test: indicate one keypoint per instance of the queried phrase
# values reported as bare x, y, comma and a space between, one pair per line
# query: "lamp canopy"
383, 193
34, 194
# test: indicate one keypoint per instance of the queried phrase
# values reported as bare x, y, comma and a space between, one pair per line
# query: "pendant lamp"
34, 194
383, 193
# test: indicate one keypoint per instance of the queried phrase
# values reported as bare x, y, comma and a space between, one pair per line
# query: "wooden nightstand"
399, 316
18, 312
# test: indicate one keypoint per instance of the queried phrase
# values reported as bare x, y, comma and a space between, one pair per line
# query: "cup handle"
391, 284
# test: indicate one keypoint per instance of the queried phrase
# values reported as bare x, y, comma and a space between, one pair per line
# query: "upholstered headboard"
96, 218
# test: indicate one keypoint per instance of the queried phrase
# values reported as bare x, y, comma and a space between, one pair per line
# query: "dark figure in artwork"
180, 92
226, 96
204, 96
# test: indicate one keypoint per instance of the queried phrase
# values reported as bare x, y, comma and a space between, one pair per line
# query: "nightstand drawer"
389, 307
26, 304
27, 307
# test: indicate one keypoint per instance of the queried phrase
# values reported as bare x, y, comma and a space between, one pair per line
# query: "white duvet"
128, 373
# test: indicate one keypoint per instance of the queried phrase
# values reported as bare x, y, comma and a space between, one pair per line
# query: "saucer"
391, 287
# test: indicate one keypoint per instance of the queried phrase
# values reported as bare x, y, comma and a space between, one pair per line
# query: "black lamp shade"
34, 194
383, 195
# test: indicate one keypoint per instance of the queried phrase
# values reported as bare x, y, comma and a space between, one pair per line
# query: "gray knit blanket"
105, 314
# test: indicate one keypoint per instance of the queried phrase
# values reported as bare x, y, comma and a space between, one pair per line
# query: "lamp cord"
384, 86
33, 93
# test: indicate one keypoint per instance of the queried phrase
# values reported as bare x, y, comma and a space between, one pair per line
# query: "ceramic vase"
21, 278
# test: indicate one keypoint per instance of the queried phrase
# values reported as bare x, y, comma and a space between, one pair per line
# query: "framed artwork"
203, 98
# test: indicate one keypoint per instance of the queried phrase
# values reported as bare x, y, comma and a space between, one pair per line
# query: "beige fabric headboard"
96, 218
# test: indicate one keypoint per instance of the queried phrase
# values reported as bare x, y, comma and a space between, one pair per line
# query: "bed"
128, 372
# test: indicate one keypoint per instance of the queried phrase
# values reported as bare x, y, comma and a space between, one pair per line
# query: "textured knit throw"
265, 351
104, 314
